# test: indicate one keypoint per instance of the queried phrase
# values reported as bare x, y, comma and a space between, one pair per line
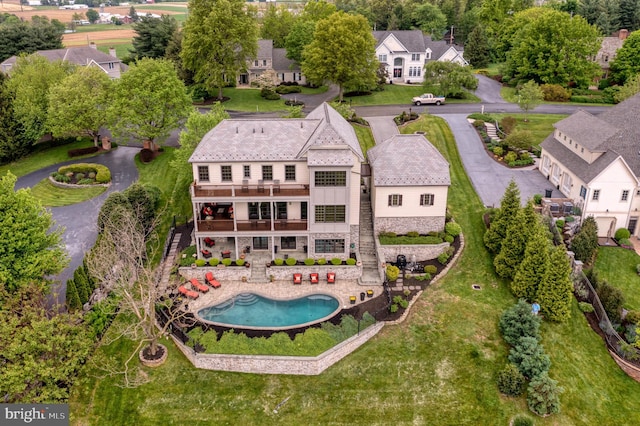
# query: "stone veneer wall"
402, 225
422, 251
264, 364
355, 238
228, 273
343, 272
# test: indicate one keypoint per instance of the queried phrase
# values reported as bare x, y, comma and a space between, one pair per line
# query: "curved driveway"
80, 220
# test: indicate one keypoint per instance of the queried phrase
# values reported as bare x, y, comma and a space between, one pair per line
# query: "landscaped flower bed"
515, 150
82, 174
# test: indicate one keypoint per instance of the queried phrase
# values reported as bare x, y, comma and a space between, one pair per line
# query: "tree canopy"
219, 37
18, 36
343, 52
301, 34
149, 101
13, 144
627, 61
276, 24
153, 36
77, 105
448, 78
530, 96
30, 248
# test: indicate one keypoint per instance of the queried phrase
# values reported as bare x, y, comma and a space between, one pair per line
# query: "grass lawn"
249, 100
122, 49
618, 266
398, 94
54, 196
540, 125
44, 158
102, 27
365, 137
436, 368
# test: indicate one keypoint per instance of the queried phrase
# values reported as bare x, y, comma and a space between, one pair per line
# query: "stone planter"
154, 362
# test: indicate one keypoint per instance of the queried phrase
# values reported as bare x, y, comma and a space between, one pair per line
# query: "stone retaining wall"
264, 364
422, 251
631, 370
227, 273
343, 272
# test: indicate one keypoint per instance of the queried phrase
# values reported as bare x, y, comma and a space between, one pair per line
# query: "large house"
608, 50
409, 185
88, 56
405, 54
271, 58
279, 185
595, 161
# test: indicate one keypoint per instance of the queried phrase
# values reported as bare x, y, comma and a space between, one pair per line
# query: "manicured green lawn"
397, 94
54, 196
365, 137
44, 158
540, 125
249, 100
618, 266
102, 27
122, 49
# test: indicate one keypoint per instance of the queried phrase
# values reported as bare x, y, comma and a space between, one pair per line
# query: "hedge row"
82, 151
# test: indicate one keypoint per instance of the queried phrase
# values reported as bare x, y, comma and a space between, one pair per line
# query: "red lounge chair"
189, 293
331, 277
314, 278
198, 285
209, 242
297, 278
208, 278
206, 253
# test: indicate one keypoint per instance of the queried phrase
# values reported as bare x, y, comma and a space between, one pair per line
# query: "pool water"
252, 310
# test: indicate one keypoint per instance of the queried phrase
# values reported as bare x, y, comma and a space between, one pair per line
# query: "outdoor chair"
198, 285
331, 277
297, 278
189, 293
210, 280
314, 278
209, 242
226, 254
206, 253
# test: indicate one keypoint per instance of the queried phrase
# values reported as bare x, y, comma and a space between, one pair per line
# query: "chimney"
623, 34
112, 52
93, 45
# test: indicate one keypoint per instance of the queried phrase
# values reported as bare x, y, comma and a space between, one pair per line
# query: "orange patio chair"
198, 285
209, 279
331, 277
189, 293
314, 278
297, 278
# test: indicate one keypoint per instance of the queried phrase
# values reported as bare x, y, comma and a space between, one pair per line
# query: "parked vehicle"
428, 98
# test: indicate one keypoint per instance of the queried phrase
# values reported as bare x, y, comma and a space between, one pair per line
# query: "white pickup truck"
427, 98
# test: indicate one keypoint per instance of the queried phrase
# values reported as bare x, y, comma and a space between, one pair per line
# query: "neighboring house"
279, 185
409, 185
405, 53
83, 56
595, 161
608, 50
270, 58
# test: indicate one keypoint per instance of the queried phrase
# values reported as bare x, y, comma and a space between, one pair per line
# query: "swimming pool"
254, 311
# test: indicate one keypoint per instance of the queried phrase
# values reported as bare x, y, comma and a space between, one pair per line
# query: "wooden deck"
251, 191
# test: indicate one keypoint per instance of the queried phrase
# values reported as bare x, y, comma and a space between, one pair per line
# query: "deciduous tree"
219, 37
92, 16
448, 78
277, 24
78, 104
530, 96
556, 289
149, 101
430, 19
13, 144
630, 88
627, 61
301, 33
30, 248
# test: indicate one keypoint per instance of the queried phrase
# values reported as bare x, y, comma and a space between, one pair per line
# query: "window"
415, 71
255, 63
583, 192
303, 210
246, 171
290, 172
264, 62
329, 246
331, 178
625, 195
382, 58
288, 243
267, 172
395, 200
582, 150
427, 55
203, 173
565, 138
330, 214
569, 142
415, 56
427, 199
111, 65
225, 172
596, 195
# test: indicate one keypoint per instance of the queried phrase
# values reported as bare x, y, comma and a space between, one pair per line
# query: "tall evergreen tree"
554, 291
513, 246
629, 14
72, 299
476, 50
585, 243
509, 206
533, 267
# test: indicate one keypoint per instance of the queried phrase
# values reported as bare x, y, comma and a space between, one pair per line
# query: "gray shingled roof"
239, 140
589, 136
437, 47
329, 157
412, 40
408, 160
265, 49
76, 55
282, 63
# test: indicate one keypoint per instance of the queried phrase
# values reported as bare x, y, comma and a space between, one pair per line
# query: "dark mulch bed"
146, 353
211, 101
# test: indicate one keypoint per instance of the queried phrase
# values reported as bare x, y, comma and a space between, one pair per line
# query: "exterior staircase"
168, 264
368, 256
492, 132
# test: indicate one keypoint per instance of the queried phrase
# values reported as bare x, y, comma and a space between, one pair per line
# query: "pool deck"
283, 290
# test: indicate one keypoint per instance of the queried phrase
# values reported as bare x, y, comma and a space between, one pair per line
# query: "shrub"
555, 93
508, 124
82, 151
322, 261
520, 139
388, 234
622, 233
279, 261
612, 300
511, 381
80, 176
511, 157
351, 261
336, 261
146, 155
453, 229
393, 308
528, 355
449, 239
443, 258
308, 261
625, 242
392, 272
498, 151
413, 234
283, 89
585, 307
62, 178
214, 261
85, 182
560, 223
103, 175
478, 124
537, 199
521, 420
291, 261
430, 269
91, 175
400, 301
543, 395
226, 261
200, 262
632, 317
518, 321
239, 262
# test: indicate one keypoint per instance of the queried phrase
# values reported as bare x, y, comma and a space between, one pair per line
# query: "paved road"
488, 90
80, 220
